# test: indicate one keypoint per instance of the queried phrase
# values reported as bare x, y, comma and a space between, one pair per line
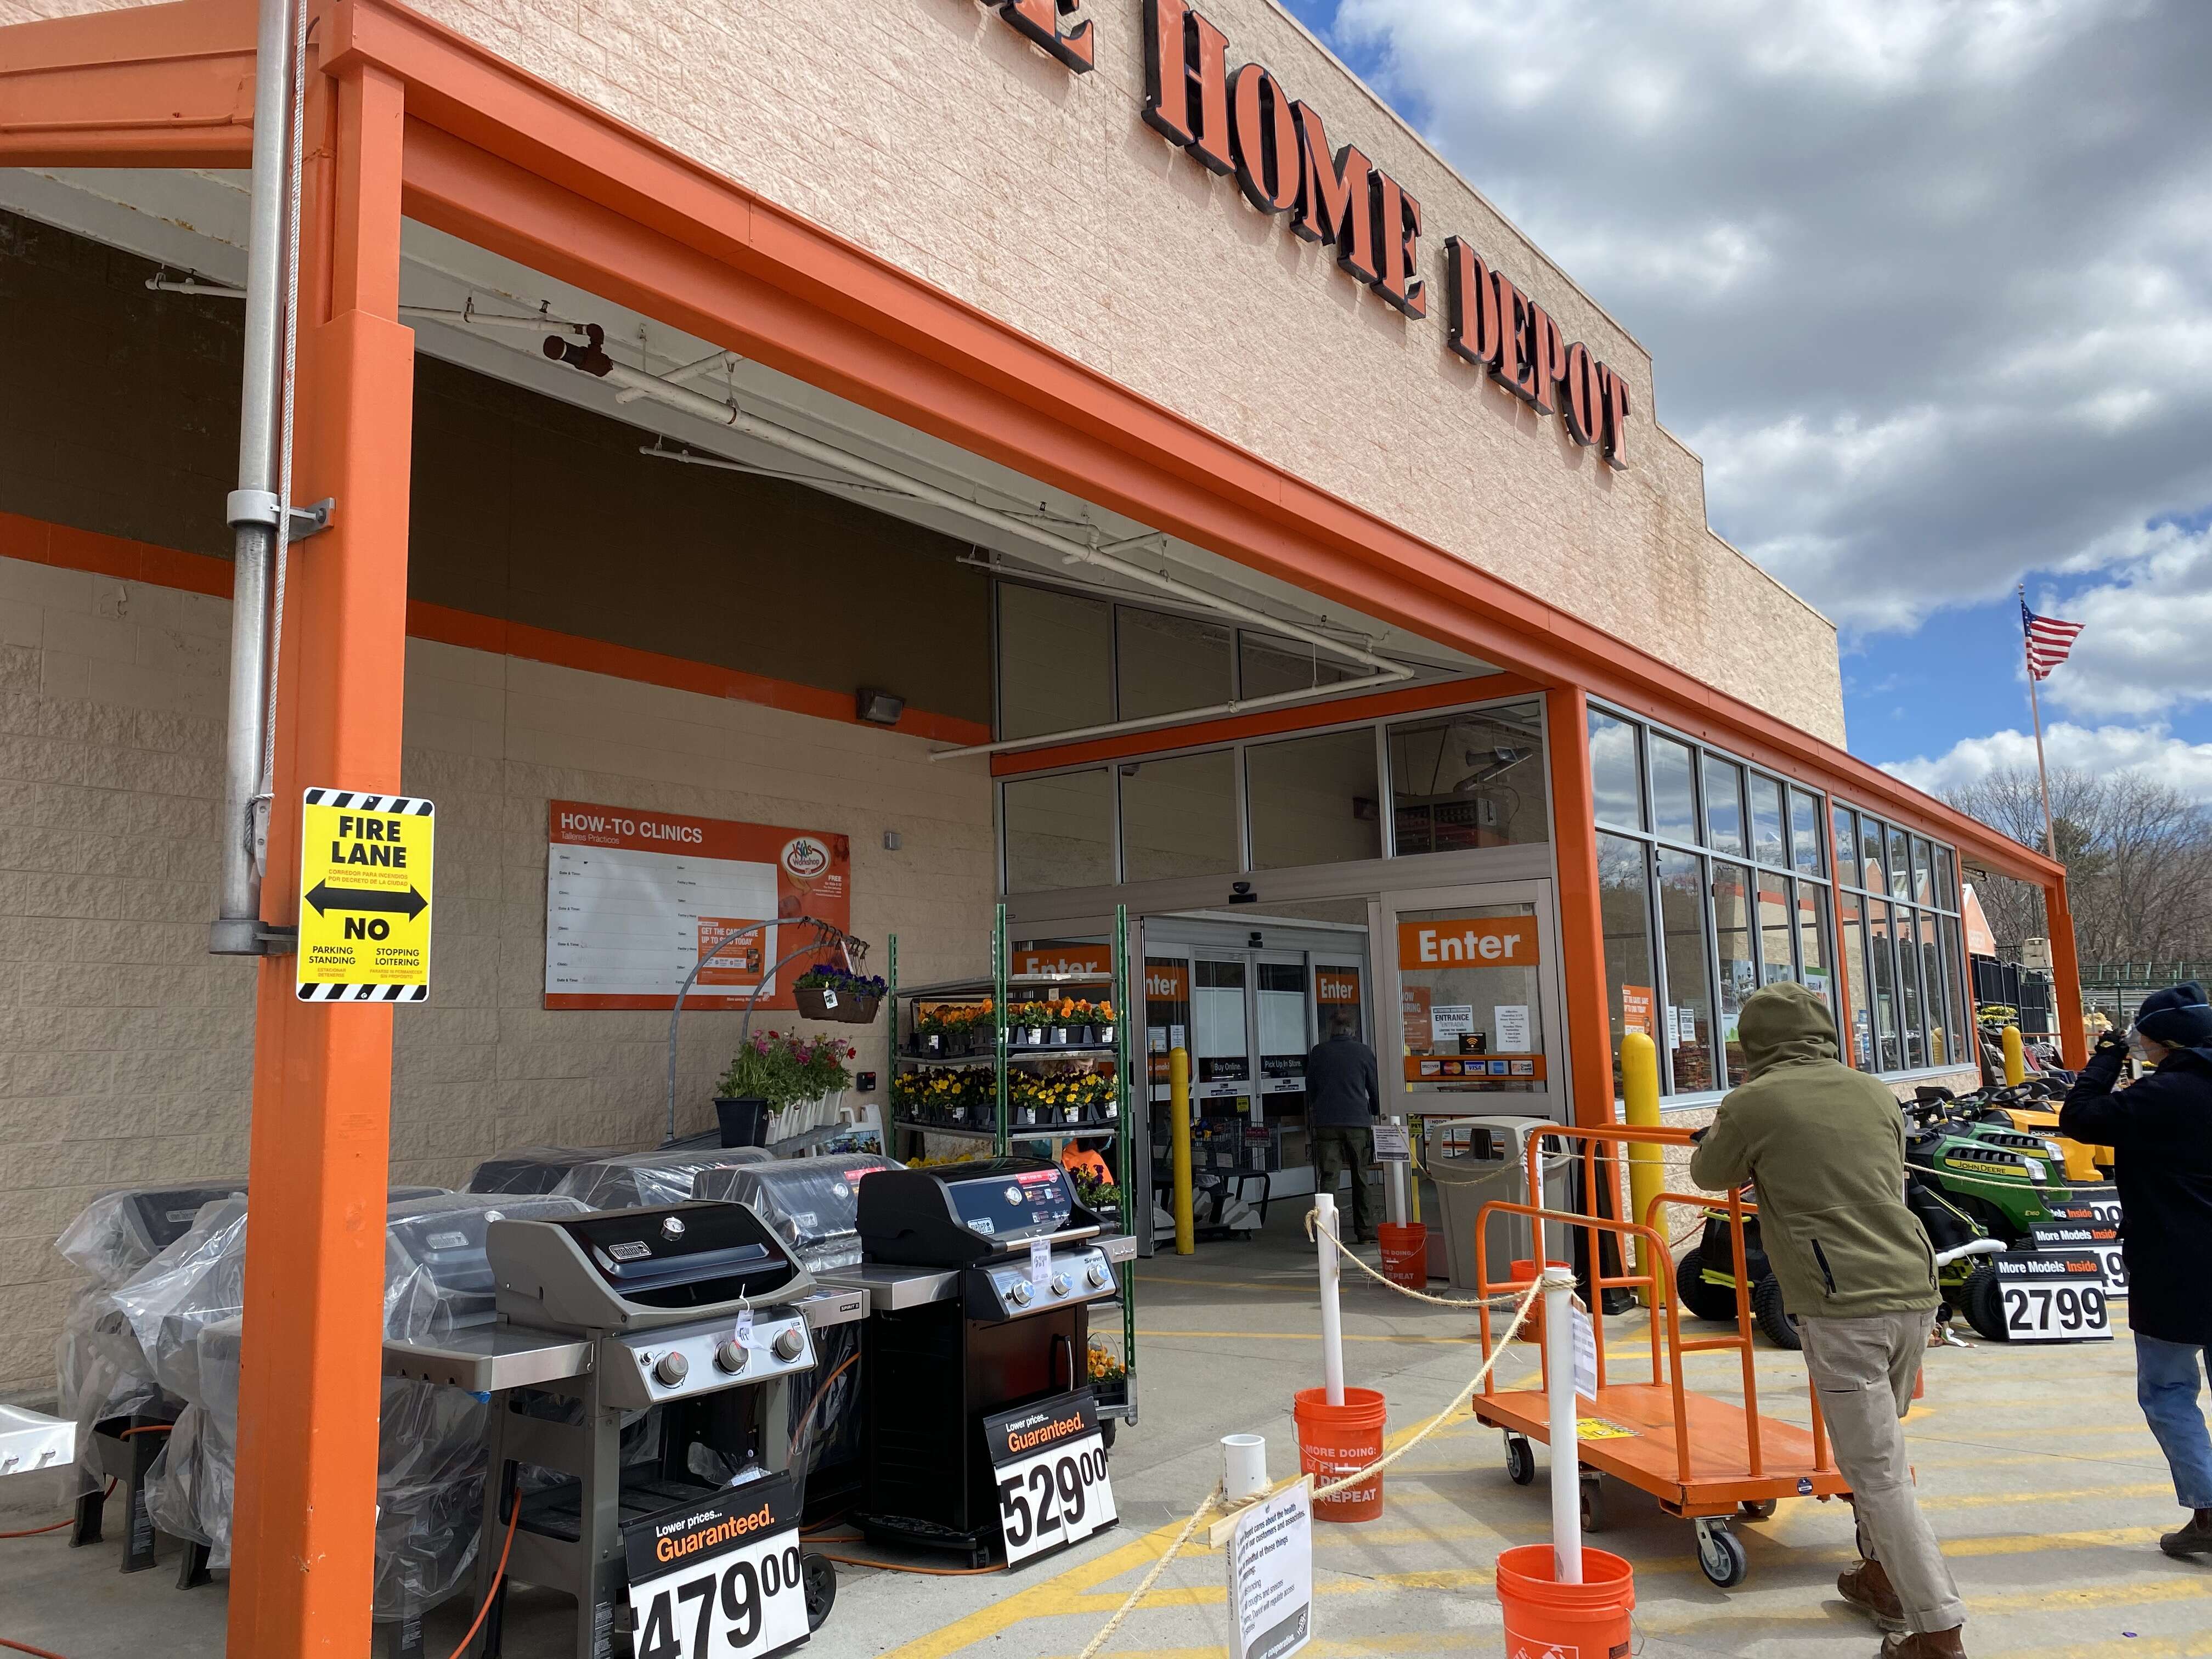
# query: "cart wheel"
1985, 1303
1106, 1427
1720, 1555
1520, 1462
1705, 1300
819, 1575
1757, 1509
1593, 1503
1766, 1308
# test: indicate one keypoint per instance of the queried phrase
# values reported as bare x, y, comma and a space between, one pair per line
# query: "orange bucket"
1405, 1254
1545, 1617
1335, 1441
1522, 1276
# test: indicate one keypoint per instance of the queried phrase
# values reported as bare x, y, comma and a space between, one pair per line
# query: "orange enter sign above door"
1467, 942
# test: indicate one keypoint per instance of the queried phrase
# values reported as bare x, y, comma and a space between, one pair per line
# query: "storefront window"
1470, 779
1165, 663
1767, 844
1813, 941
1882, 966
1314, 800
1055, 661
1674, 791
1909, 986
1847, 847
1167, 1017
1267, 666
1947, 890
1723, 806
1616, 779
1739, 968
1859, 1010
1059, 831
1900, 864
1775, 924
1932, 988
1908, 990
1684, 919
1472, 1015
1924, 875
1805, 834
1179, 816
1624, 905
1870, 859
1958, 1017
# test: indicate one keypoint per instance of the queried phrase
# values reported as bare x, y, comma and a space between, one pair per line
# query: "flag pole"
2035, 709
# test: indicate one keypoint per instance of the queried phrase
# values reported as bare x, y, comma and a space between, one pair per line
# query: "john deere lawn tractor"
2003, 1179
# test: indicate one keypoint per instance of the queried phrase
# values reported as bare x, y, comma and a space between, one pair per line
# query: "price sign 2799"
2054, 1298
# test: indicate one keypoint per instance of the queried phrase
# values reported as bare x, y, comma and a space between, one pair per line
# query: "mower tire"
1766, 1308
1983, 1297
1714, 1302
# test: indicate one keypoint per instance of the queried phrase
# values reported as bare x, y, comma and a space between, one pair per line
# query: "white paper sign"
1585, 1355
1449, 1021
1511, 1021
1040, 1264
1689, 1025
1392, 1143
1270, 1560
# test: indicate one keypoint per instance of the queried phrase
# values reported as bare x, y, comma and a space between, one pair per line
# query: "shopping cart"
1709, 1460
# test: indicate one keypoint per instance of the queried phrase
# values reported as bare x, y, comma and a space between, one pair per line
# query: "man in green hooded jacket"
1825, 1147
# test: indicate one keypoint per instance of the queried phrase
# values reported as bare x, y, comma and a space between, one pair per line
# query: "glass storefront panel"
1268, 666
1805, 834
1673, 790
1870, 856
1055, 661
1959, 1020
1470, 779
1935, 994
1688, 1018
1911, 1014
1813, 941
1767, 842
1775, 926
1947, 890
1167, 1016
1314, 800
1734, 947
1221, 1053
1471, 989
1616, 778
1163, 665
1059, 831
1723, 806
1900, 864
1881, 976
1847, 846
1624, 880
1179, 816
1857, 999
1924, 872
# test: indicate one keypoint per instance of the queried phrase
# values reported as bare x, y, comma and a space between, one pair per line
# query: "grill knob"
1018, 1293
789, 1343
1059, 1285
728, 1356
1097, 1275
673, 1369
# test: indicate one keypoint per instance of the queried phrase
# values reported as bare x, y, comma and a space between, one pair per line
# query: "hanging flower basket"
827, 992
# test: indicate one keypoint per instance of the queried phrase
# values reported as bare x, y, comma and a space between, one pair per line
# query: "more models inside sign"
636, 899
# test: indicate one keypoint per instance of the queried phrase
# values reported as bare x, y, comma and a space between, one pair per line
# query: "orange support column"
1587, 1016
304, 1536
2065, 977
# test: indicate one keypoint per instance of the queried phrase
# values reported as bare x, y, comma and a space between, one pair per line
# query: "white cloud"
2098, 751
1928, 282
2146, 642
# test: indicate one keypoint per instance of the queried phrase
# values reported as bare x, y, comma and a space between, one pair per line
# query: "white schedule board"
635, 899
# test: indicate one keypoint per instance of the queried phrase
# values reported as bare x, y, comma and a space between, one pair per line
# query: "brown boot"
2195, 1539
1867, 1588
1925, 1645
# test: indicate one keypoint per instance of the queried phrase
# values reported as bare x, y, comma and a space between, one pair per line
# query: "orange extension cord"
498, 1573
33, 1532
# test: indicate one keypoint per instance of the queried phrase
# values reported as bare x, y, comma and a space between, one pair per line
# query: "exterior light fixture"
879, 707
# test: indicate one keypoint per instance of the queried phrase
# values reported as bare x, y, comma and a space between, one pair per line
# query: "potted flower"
1028, 1021
1102, 1023
827, 991
772, 1073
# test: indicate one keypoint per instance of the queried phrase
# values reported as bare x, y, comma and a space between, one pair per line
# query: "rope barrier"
1502, 1300
1152, 1578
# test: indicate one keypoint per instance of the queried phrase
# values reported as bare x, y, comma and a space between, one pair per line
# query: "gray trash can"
1493, 1170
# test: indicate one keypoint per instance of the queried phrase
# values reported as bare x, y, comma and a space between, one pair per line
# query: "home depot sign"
1242, 121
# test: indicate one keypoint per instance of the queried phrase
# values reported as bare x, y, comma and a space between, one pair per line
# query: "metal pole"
1332, 1318
2035, 709
255, 507
1559, 1399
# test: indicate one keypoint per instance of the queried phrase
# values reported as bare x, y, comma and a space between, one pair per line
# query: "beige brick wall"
126, 1050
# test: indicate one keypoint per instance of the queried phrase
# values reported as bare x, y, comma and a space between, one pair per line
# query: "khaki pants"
1338, 1147
1863, 1371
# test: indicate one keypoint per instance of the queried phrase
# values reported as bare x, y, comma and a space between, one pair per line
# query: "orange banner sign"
1064, 958
1636, 1008
1467, 942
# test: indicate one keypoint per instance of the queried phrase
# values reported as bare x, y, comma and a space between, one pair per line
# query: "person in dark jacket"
2159, 1129
1344, 1096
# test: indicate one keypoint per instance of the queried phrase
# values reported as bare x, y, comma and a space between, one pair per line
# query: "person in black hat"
2161, 1130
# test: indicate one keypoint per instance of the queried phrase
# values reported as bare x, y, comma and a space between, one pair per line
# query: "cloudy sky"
1929, 285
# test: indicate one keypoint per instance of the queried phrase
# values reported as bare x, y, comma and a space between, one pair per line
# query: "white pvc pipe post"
1332, 1320
1243, 1467
1560, 1397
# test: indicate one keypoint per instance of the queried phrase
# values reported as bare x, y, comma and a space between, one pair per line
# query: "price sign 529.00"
1049, 1464
722, 1579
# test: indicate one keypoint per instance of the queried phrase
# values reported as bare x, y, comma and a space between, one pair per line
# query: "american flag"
2049, 640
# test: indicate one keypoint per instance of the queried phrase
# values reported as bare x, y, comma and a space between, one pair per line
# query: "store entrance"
1248, 996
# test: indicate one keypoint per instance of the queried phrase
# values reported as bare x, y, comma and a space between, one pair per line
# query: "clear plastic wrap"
437, 1279
665, 1176
532, 1168
192, 1486
812, 1203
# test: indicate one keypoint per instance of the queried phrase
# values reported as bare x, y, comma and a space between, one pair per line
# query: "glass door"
1474, 974
1221, 1033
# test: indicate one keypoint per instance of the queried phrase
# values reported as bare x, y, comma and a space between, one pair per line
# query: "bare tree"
2138, 857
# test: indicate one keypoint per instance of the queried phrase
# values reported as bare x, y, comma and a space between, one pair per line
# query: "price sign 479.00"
1049, 1462
719, 1580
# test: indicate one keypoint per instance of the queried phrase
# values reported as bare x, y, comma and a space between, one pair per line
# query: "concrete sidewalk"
2033, 1463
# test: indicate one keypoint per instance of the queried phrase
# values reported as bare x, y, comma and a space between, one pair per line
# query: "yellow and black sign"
365, 873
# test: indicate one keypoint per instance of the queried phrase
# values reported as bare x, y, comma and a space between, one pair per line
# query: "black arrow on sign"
326, 898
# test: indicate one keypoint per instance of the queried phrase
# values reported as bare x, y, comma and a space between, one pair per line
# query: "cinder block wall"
126, 1050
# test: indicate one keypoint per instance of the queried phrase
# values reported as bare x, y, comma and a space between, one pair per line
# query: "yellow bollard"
1647, 1168
2015, 1057
1179, 1127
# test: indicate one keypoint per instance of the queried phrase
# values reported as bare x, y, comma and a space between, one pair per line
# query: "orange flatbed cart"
1709, 1460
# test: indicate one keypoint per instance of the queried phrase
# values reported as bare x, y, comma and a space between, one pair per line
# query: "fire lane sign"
365, 864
